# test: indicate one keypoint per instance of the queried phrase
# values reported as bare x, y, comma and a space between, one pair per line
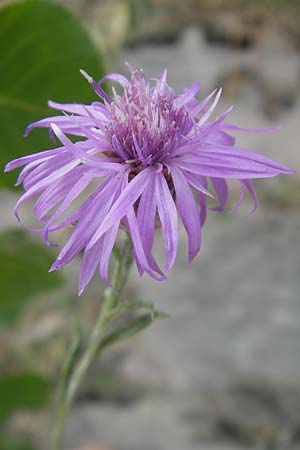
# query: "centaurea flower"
151, 153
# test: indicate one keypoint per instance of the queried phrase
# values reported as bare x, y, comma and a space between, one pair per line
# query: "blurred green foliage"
22, 391
9, 443
24, 272
42, 48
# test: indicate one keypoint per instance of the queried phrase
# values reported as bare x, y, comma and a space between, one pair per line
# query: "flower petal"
96, 109
89, 264
146, 215
230, 162
210, 110
221, 189
15, 163
196, 181
109, 240
168, 217
187, 96
96, 208
253, 194
232, 127
138, 246
121, 206
72, 194
42, 184
66, 123
123, 81
188, 211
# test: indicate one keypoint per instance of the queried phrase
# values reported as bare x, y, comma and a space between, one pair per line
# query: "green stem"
123, 260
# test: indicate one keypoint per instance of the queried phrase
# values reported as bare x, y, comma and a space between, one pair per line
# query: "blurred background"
223, 373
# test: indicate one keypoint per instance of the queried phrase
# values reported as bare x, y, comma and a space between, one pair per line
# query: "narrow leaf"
132, 328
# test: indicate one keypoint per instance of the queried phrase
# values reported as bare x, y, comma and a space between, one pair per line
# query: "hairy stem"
69, 387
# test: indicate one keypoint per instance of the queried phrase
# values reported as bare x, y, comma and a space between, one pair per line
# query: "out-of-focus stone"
229, 29
156, 22
279, 69
161, 20
93, 448
29, 426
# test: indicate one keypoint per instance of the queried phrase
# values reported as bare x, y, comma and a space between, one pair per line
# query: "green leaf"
131, 328
24, 272
22, 391
130, 305
42, 48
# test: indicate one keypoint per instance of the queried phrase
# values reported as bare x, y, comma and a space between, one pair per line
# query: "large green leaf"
22, 391
24, 272
42, 48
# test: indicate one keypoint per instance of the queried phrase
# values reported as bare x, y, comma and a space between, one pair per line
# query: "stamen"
147, 121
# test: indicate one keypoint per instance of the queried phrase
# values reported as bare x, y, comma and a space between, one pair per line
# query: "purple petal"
82, 110
45, 169
15, 163
196, 181
224, 171
27, 171
121, 206
241, 199
250, 130
200, 108
123, 81
168, 217
221, 189
223, 151
82, 155
56, 192
93, 213
65, 122
188, 211
138, 246
188, 95
253, 194
210, 110
163, 76
89, 264
220, 137
42, 184
72, 194
202, 202
109, 240
146, 216
230, 162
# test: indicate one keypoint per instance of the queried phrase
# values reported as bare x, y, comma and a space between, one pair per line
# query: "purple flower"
147, 153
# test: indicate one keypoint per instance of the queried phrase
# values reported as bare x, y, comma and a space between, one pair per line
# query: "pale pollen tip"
86, 76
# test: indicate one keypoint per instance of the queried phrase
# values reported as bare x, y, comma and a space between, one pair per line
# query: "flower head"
148, 153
